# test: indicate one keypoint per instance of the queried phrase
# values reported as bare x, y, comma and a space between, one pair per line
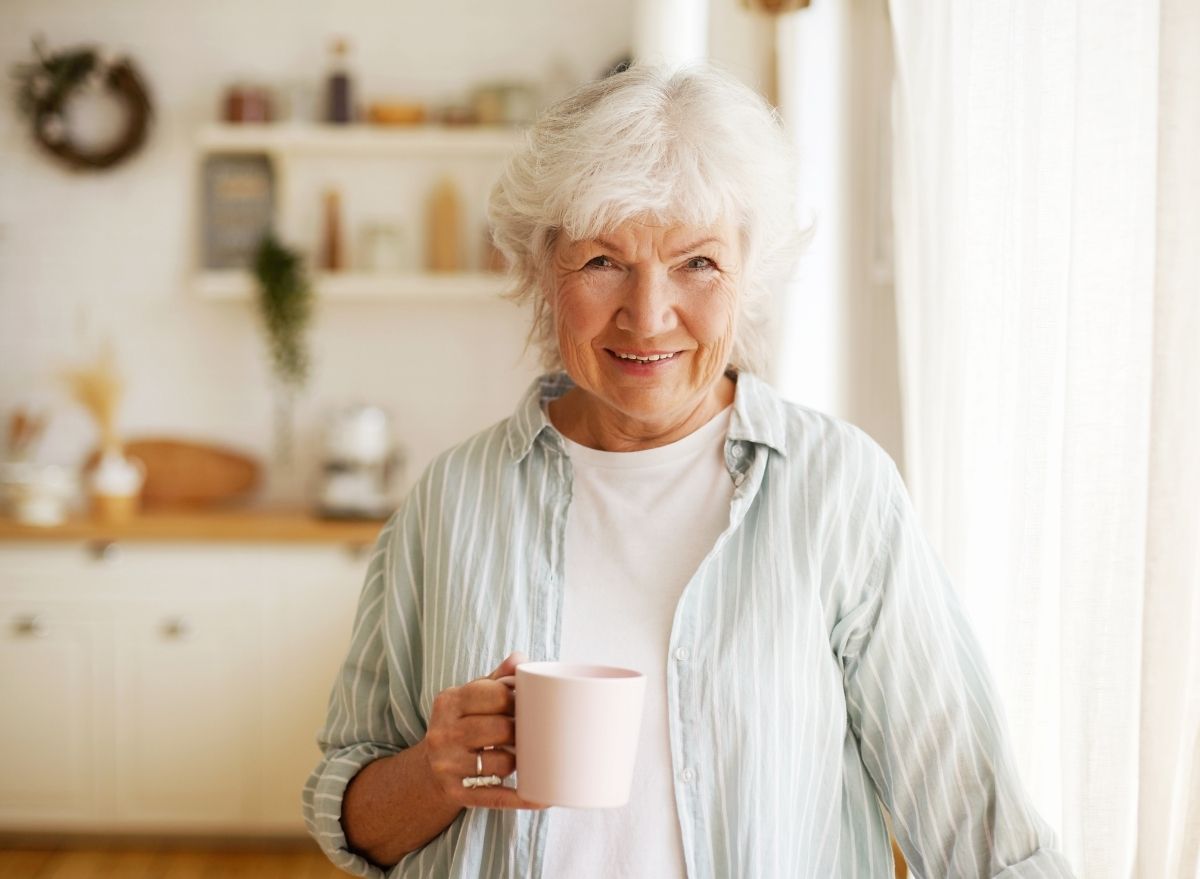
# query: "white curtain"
1047, 217
835, 336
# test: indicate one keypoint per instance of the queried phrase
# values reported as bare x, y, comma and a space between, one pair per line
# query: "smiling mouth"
645, 358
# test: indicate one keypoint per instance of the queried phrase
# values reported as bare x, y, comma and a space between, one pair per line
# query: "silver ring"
479, 779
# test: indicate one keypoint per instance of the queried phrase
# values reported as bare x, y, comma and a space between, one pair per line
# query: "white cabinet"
167, 688
53, 682
187, 679
305, 641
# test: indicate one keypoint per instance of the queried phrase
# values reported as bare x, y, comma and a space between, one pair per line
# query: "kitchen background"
1028, 359
89, 258
165, 672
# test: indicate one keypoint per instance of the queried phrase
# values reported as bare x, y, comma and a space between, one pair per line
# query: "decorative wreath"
47, 84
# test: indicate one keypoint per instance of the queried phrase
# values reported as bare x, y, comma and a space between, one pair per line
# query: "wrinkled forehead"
670, 233
595, 214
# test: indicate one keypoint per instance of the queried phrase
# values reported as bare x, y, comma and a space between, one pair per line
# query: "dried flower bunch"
97, 388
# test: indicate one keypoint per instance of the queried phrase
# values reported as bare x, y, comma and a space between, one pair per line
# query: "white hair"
687, 145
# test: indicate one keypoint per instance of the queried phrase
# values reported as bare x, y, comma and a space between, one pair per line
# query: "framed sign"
238, 206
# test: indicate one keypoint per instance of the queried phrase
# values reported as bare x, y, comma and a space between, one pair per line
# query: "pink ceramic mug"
577, 733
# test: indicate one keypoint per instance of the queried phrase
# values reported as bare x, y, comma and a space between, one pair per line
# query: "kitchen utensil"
360, 465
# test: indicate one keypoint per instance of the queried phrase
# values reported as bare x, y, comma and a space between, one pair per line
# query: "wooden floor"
146, 863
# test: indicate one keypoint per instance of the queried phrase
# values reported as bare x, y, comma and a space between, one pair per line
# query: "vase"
115, 486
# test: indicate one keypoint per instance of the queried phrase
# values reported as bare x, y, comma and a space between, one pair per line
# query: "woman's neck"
585, 419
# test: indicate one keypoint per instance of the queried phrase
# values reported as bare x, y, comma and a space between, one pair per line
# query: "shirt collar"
758, 415
530, 420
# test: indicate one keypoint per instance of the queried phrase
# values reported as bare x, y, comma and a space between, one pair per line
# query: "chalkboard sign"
239, 202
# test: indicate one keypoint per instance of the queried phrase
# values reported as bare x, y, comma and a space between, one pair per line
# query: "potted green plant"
284, 300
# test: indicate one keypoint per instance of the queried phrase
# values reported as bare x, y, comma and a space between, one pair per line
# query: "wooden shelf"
238, 526
234, 286
289, 139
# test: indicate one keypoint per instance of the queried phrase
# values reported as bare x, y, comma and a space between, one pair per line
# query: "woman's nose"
648, 308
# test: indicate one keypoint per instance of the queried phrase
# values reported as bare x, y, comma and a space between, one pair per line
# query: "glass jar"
381, 245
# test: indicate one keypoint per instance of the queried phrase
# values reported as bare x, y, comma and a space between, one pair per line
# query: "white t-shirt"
639, 525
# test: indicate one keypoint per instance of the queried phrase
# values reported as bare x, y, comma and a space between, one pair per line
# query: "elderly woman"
653, 504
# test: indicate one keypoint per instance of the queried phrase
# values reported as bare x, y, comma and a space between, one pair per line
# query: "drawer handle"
176, 629
29, 626
102, 550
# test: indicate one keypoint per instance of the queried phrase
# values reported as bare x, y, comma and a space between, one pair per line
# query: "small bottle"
444, 238
332, 257
339, 108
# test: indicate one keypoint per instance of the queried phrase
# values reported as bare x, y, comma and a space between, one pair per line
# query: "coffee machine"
360, 465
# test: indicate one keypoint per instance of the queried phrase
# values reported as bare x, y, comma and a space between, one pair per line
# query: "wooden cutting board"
186, 474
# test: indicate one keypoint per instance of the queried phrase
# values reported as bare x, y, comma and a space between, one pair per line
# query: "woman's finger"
485, 696
496, 798
497, 762
486, 730
448, 743
509, 666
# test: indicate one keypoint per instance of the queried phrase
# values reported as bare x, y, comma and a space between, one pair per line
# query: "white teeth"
650, 359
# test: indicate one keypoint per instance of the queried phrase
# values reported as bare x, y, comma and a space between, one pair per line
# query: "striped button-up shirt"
820, 667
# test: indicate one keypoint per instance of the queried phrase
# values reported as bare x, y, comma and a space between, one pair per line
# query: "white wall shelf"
400, 162
344, 140
383, 172
233, 286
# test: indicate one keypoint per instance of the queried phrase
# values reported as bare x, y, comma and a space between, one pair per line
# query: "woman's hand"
465, 721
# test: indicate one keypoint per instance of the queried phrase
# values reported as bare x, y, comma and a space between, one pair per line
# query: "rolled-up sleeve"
923, 708
373, 707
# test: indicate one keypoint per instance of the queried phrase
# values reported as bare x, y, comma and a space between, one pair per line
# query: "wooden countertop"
241, 525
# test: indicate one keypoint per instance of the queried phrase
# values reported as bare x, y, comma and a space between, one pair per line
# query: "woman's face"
646, 315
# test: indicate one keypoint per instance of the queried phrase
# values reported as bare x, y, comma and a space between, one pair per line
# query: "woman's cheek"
718, 324
574, 339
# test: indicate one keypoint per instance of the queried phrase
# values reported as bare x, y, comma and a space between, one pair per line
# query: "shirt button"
687, 776
738, 450
683, 654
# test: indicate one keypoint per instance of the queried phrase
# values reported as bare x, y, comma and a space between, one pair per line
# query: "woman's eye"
599, 262
700, 262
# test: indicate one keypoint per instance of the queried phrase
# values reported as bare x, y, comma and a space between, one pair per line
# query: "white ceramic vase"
115, 485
